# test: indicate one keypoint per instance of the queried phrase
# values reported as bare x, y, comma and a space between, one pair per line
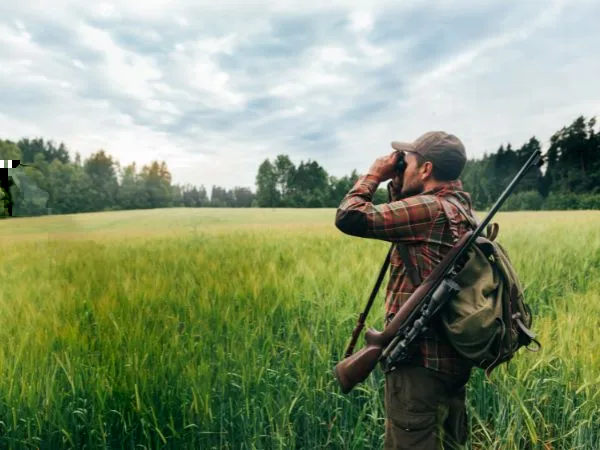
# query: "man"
425, 397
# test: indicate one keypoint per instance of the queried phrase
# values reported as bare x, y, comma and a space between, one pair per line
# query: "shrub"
527, 200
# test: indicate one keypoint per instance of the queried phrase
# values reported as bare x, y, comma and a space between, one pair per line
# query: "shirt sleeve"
406, 220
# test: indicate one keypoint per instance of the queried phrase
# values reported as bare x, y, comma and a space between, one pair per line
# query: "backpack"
488, 321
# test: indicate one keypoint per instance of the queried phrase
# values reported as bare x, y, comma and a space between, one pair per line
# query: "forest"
56, 182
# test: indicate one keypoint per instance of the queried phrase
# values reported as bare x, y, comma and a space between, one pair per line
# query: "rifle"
423, 304
363, 316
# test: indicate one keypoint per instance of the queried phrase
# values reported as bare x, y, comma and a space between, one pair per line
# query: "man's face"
412, 184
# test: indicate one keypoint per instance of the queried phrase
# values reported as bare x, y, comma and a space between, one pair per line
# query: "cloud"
361, 21
215, 88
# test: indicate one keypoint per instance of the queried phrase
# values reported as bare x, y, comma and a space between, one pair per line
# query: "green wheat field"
219, 329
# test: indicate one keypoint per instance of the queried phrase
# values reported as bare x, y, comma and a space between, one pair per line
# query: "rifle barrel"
534, 159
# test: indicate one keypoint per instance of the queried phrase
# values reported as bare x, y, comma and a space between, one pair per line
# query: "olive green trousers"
425, 410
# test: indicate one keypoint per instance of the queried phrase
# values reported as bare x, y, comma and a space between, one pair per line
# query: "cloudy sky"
216, 89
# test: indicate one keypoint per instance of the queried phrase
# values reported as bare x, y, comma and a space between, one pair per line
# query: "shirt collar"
446, 187
453, 188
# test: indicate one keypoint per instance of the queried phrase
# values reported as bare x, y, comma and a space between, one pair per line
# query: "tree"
338, 188
30, 148
176, 195
533, 179
309, 186
195, 197
132, 193
243, 197
284, 171
266, 185
101, 169
9, 150
59, 183
473, 181
156, 180
221, 197
572, 158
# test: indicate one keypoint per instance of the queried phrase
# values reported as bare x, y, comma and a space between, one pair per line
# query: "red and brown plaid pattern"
421, 222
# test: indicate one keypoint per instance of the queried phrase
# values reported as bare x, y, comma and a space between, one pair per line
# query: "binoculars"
400, 163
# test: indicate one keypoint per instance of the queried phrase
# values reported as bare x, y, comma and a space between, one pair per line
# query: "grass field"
219, 328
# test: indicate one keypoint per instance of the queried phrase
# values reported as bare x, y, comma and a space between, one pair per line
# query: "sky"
215, 89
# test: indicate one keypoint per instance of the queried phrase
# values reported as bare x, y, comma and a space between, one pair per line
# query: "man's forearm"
363, 191
351, 216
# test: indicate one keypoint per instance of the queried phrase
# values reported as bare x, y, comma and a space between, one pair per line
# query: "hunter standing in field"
425, 397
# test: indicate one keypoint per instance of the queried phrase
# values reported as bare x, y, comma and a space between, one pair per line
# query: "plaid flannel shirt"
426, 226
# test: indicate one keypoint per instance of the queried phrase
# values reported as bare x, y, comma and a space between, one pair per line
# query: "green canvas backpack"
488, 321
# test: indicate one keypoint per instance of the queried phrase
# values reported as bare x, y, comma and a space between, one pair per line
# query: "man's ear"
426, 170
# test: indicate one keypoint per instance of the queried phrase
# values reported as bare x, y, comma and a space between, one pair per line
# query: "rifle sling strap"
411, 270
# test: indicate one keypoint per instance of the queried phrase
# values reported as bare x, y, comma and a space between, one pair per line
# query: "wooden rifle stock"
356, 368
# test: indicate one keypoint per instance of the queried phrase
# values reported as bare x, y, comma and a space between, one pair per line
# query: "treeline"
568, 179
57, 183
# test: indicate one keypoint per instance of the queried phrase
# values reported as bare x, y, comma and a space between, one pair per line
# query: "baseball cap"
444, 150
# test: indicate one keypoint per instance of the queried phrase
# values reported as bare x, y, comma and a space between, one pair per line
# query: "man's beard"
414, 190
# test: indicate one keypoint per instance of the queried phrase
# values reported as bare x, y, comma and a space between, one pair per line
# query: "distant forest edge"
58, 184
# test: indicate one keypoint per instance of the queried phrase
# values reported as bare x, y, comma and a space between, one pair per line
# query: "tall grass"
136, 330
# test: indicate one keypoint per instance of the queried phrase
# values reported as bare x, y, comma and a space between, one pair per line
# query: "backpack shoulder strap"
474, 223
492, 228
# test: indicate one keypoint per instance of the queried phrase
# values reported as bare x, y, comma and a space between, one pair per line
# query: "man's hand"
394, 191
383, 168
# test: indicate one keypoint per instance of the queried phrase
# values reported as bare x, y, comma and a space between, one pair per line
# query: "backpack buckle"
527, 332
492, 231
